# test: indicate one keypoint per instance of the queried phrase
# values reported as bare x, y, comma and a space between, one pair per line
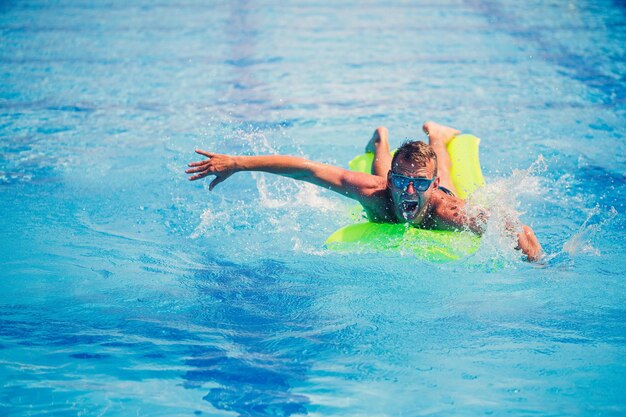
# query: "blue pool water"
127, 290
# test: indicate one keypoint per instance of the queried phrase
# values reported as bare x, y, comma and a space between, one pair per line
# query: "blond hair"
416, 152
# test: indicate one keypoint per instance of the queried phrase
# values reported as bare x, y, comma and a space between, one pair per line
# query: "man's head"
412, 179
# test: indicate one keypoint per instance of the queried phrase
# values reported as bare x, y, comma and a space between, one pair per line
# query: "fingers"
528, 232
202, 171
201, 164
201, 175
527, 242
216, 181
201, 152
198, 169
205, 153
205, 168
195, 164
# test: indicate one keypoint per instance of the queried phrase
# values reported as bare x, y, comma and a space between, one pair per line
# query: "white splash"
280, 193
501, 200
225, 218
582, 241
208, 221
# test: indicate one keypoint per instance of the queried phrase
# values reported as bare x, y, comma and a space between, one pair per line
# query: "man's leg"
438, 138
379, 146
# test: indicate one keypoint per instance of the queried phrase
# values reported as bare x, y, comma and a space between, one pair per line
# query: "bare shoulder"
447, 210
371, 191
365, 185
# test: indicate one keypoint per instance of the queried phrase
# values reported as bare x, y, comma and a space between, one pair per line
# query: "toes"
426, 127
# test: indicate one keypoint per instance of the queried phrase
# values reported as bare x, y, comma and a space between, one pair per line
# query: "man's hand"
528, 244
222, 166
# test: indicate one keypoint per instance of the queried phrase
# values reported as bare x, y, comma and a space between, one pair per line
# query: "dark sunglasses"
420, 184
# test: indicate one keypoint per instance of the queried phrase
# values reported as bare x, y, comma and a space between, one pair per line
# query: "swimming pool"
125, 289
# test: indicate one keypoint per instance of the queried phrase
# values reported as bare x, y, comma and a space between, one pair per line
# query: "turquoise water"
125, 289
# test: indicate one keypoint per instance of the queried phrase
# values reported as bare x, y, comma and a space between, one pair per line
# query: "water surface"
125, 289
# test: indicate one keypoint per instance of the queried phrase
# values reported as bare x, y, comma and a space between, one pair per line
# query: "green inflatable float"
432, 245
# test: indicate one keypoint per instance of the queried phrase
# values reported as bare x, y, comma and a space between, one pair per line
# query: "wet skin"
430, 209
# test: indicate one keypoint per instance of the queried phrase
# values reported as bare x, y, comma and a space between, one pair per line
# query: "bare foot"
439, 135
379, 138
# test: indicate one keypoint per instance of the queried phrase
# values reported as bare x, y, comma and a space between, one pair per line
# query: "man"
412, 187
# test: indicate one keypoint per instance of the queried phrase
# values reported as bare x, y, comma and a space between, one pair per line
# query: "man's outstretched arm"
351, 184
451, 211
527, 242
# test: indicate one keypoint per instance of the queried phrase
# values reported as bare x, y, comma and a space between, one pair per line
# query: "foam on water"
583, 241
281, 204
500, 199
